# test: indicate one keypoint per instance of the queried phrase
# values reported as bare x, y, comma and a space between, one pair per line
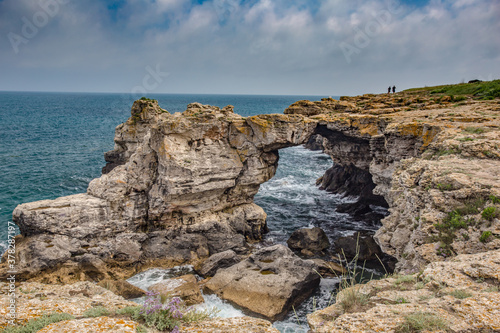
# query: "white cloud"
266, 47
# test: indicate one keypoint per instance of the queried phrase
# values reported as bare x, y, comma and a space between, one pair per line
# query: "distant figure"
393, 89
389, 90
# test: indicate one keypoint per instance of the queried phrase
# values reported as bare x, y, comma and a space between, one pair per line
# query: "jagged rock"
268, 283
122, 288
191, 177
463, 293
326, 105
361, 244
315, 142
306, 241
217, 261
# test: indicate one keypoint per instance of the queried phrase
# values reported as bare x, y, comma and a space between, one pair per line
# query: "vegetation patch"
485, 236
474, 130
460, 293
36, 324
422, 321
97, 311
447, 231
489, 213
478, 90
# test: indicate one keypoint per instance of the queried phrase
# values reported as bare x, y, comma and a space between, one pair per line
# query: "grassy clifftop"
478, 90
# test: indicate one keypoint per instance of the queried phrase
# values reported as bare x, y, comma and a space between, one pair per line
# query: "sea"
52, 145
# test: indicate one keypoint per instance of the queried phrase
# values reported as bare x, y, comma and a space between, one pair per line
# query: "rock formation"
309, 241
463, 294
268, 283
179, 187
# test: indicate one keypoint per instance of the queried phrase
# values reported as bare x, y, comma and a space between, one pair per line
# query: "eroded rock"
268, 283
185, 287
309, 241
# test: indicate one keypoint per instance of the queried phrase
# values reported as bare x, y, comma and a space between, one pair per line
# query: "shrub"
484, 236
34, 325
494, 199
422, 321
489, 213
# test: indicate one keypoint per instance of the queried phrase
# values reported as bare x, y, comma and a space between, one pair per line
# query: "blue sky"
324, 47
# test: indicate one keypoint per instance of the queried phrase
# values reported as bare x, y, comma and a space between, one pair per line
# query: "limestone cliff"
180, 187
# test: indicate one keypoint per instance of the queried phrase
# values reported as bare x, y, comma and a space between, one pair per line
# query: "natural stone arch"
180, 187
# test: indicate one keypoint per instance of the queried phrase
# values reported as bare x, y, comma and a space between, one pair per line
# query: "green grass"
422, 321
478, 90
34, 325
474, 130
97, 311
460, 293
405, 279
148, 99
494, 199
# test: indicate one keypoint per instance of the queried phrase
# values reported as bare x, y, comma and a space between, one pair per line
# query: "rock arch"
179, 187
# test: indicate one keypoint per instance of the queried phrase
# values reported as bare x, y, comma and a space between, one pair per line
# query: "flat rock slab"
268, 283
185, 287
95, 325
231, 325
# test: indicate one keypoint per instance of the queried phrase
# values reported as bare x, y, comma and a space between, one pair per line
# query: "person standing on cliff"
389, 90
393, 89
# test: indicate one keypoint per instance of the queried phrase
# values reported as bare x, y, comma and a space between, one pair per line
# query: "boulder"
122, 288
329, 268
362, 244
309, 241
217, 261
185, 287
268, 283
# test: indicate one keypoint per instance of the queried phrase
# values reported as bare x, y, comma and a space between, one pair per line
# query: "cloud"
259, 46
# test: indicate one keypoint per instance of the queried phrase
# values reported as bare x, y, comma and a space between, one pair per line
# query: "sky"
285, 47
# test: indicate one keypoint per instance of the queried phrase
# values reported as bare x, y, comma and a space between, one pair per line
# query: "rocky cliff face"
179, 187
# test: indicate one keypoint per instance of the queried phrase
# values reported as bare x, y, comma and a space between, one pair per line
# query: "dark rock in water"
308, 241
268, 283
185, 287
351, 181
315, 143
368, 248
122, 288
217, 261
361, 211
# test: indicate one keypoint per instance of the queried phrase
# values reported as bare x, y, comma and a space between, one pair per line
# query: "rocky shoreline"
178, 189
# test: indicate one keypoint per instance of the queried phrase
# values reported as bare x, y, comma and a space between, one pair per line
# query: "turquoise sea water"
52, 144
